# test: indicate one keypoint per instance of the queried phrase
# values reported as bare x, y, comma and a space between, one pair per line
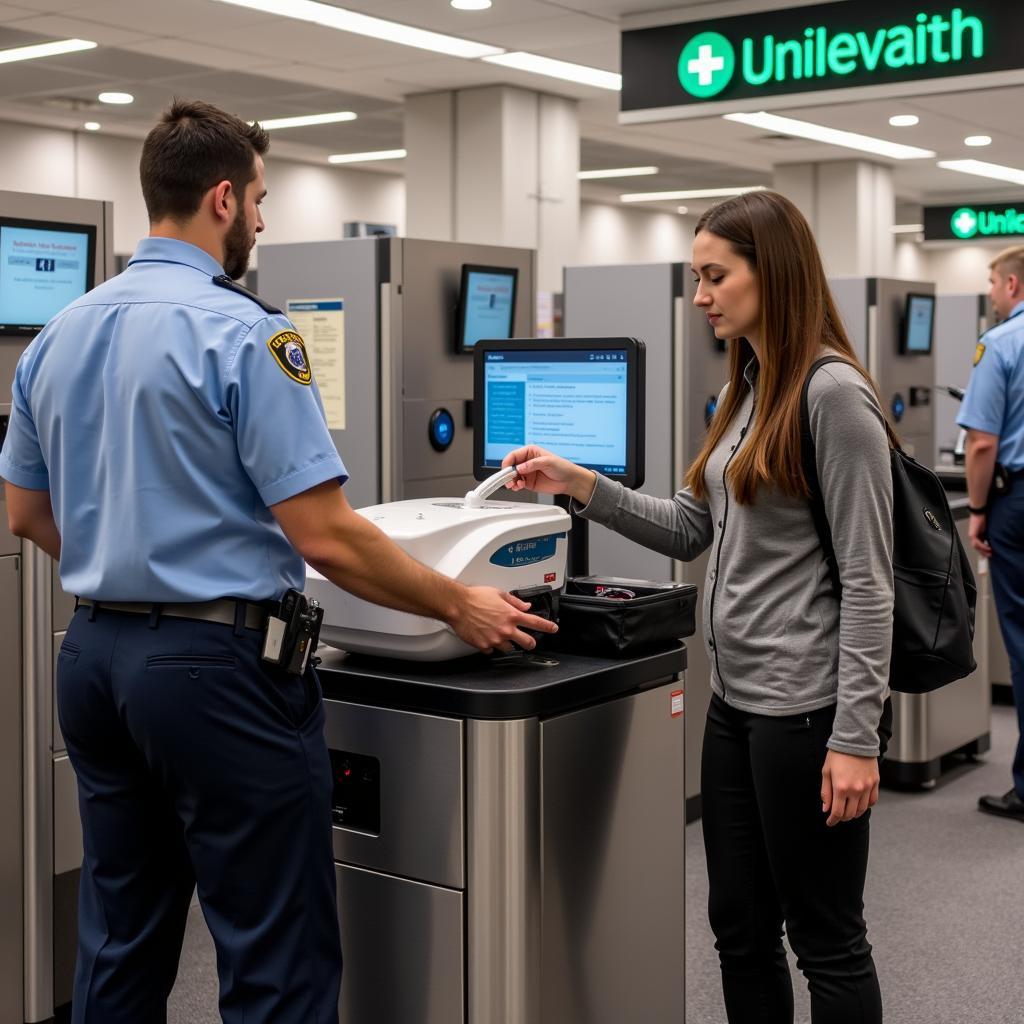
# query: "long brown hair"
797, 317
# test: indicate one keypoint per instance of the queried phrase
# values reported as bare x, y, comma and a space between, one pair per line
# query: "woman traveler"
798, 677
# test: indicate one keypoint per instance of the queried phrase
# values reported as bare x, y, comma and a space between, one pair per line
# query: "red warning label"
677, 703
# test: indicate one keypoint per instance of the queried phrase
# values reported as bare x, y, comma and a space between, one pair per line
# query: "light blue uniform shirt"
994, 401
157, 414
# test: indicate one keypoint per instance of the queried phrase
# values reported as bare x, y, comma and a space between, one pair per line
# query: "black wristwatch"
977, 511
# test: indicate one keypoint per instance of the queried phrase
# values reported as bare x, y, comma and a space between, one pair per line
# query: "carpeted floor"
944, 904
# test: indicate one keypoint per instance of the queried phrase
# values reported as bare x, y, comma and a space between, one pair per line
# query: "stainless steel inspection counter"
509, 840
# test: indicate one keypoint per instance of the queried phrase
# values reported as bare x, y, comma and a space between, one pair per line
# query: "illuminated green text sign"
978, 222
851, 44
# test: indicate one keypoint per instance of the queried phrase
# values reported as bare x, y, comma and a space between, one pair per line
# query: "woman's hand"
541, 471
849, 786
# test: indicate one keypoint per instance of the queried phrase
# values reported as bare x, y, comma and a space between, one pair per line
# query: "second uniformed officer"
993, 414
167, 443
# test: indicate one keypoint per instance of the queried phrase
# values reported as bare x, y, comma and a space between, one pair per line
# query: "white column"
498, 166
851, 208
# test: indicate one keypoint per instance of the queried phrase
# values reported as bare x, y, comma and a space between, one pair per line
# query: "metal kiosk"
509, 836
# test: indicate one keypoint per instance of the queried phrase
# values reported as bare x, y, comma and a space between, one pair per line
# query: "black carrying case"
588, 622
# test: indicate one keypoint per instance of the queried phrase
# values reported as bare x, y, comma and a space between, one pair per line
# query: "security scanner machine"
509, 832
390, 325
686, 369
52, 250
893, 326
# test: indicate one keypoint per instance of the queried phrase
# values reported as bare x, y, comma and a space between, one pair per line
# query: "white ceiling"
262, 66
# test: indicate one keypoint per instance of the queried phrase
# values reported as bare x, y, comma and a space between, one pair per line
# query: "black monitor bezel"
21, 330
905, 349
461, 348
636, 395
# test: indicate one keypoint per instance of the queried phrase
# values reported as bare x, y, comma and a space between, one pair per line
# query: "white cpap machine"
510, 545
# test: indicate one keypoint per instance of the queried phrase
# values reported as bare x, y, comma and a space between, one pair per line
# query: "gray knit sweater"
778, 641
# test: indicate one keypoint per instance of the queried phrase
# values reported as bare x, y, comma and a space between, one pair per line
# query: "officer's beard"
237, 246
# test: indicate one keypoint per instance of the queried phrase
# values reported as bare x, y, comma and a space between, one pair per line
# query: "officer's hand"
976, 531
490, 619
849, 786
541, 471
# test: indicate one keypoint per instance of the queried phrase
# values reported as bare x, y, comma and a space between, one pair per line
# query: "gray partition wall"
686, 368
959, 321
40, 834
400, 298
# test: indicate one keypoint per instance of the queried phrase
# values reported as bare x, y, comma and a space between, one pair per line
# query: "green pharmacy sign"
992, 220
741, 63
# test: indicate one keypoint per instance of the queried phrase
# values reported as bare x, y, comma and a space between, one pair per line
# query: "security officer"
993, 414
167, 443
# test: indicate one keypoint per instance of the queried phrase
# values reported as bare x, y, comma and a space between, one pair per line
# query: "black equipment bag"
933, 616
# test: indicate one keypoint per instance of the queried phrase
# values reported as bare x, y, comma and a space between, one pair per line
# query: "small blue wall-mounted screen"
487, 303
43, 268
582, 399
920, 318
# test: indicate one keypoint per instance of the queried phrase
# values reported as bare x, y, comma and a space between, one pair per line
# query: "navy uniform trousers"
1005, 530
198, 768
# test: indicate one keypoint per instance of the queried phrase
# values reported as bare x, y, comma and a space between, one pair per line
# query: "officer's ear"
223, 198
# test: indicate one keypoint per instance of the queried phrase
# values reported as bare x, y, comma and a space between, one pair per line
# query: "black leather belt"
222, 610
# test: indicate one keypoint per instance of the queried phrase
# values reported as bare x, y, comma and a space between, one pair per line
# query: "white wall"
621, 234
955, 269
305, 203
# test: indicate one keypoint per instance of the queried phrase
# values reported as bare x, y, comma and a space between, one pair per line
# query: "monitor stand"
578, 557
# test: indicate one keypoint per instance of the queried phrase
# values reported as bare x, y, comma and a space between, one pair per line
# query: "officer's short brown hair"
192, 148
1010, 261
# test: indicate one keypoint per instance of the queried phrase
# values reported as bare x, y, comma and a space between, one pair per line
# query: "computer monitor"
581, 398
487, 305
44, 265
918, 325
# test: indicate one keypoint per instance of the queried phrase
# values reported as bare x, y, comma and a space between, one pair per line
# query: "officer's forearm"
30, 515
980, 464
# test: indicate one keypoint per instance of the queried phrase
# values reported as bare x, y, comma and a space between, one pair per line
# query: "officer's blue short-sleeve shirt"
165, 413
994, 402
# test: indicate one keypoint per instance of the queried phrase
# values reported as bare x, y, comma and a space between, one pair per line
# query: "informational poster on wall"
321, 322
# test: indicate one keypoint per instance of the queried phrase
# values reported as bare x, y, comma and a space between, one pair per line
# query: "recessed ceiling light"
92, 126
471, 5
306, 120
689, 193
904, 120
563, 69
359, 158
364, 25
832, 136
617, 172
985, 170
683, 209
116, 98
37, 50
978, 140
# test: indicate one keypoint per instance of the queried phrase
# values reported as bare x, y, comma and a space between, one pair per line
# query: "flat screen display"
487, 303
580, 401
44, 266
918, 324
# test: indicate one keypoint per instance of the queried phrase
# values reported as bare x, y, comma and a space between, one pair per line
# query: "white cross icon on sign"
704, 65
965, 222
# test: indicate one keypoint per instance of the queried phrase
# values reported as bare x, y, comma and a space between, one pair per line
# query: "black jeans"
772, 861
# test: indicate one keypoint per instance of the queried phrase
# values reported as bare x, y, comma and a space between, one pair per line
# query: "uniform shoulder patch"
225, 282
289, 352
979, 351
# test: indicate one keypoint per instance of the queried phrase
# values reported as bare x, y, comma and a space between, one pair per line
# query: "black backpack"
933, 617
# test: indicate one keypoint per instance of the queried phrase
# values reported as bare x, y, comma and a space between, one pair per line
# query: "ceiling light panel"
360, 158
117, 99
690, 193
985, 170
562, 69
38, 50
616, 172
306, 120
830, 136
978, 140
904, 120
365, 25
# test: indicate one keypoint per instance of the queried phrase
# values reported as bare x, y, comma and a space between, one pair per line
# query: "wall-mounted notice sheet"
321, 322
